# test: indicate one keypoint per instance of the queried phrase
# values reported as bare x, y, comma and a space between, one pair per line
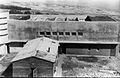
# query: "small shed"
36, 59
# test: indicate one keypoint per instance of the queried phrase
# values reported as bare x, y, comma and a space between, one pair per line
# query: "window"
74, 33
80, 33
3, 23
67, 33
3, 29
66, 19
42, 33
51, 19
76, 19
3, 18
60, 33
3, 34
89, 49
48, 49
54, 33
53, 42
48, 33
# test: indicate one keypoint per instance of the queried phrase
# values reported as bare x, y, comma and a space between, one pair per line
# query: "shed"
36, 59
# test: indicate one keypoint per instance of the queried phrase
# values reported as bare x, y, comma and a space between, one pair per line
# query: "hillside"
59, 8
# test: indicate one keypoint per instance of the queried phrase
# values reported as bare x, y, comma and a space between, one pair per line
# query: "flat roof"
17, 41
76, 42
89, 42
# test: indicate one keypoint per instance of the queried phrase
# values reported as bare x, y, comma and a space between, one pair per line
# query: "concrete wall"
119, 33
92, 31
91, 49
3, 49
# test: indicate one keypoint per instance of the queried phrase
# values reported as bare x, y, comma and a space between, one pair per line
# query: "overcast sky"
111, 4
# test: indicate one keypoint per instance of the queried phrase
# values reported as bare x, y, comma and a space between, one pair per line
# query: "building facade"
96, 34
4, 16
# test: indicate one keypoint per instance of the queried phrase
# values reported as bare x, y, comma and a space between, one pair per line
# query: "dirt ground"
5, 61
79, 66
88, 66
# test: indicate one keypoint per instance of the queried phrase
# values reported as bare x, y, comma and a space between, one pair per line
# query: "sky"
110, 4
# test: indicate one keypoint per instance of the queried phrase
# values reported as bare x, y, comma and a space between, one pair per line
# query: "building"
4, 16
74, 37
36, 59
75, 33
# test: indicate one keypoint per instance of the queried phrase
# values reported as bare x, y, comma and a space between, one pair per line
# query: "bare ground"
5, 61
89, 66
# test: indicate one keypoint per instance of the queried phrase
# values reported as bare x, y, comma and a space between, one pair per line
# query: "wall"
119, 33
22, 68
90, 49
3, 49
92, 31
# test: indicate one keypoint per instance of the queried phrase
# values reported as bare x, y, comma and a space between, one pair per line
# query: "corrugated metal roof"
43, 48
